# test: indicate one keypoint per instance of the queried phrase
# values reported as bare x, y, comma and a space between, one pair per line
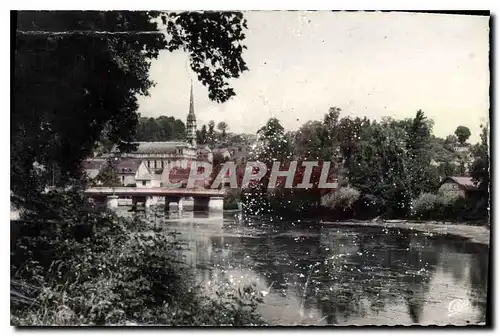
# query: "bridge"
202, 199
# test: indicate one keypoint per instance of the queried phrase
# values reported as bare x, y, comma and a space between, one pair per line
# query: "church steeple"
191, 121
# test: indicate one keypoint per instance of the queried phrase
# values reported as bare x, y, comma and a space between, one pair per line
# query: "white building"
157, 156
132, 171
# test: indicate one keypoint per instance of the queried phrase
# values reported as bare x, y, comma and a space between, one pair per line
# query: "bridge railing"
150, 191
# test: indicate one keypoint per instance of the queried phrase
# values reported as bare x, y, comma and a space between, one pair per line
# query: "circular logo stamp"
458, 306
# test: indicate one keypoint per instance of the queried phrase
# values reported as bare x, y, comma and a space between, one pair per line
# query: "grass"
117, 272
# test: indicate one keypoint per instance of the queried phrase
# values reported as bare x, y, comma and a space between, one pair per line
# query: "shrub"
443, 206
425, 206
343, 198
341, 202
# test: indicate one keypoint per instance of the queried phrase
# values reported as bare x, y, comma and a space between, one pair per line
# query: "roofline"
464, 187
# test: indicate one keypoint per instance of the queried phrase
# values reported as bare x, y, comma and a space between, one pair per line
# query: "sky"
368, 64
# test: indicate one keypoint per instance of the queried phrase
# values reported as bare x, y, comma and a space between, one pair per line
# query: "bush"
344, 198
93, 268
443, 206
397, 203
341, 201
425, 206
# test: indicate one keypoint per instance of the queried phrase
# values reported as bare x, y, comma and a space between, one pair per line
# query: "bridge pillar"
172, 203
112, 202
216, 204
136, 199
200, 203
187, 203
149, 202
99, 200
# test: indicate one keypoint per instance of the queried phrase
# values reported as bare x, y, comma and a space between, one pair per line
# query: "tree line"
386, 164
166, 128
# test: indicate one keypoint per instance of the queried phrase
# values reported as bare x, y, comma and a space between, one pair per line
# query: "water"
319, 275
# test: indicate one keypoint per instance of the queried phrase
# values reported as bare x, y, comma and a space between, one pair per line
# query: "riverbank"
476, 234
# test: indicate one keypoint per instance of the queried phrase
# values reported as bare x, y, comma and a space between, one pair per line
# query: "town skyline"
297, 70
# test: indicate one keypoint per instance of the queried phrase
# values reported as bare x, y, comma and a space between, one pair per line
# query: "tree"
211, 133
71, 87
201, 135
309, 144
160, 129
275, 146
451, 139
424, 177
447, 169
348, 134
222, 126
378, 166
108, 176
480, 169
463, 134
329, 134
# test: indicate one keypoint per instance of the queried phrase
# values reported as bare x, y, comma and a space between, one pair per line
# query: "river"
318, 274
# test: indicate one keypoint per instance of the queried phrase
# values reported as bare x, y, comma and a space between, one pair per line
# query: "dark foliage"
90, 267
160, 129
77, 76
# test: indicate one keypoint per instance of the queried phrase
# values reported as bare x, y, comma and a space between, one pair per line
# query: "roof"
220, 150
92, 164
463, 181
92, 167
145, 177
203, 149
126, 165
158, 147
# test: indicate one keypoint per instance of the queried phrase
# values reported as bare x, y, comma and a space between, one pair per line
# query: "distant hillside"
160, 129
442, 152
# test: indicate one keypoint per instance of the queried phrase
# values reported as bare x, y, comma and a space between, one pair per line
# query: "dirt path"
476, 234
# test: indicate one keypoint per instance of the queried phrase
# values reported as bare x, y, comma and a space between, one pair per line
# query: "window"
143, 183
123, 178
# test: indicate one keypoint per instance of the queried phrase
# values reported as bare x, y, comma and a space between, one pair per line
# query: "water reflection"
327, 275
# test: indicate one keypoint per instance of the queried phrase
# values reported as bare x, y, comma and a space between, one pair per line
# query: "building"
240, 152
168, 154
461, 148
191, 122
92, 167
224, 153
132, 172
461, 186
162, 154
204, 153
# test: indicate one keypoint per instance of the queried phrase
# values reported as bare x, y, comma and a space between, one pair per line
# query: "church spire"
191, 120
191, 102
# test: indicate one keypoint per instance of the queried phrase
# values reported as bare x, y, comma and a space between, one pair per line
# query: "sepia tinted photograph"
250, 168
